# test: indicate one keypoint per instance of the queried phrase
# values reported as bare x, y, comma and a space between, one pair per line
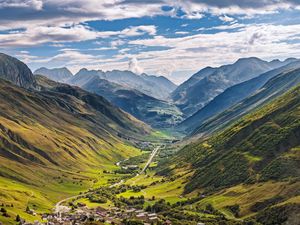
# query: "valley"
105, 148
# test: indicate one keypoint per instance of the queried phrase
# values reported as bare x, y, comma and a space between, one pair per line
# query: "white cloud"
138, 30
225, 18
224, 27
188, 53
33, 4
134, 67
196, 51
35, 35
25, 13
39, 35
182, 32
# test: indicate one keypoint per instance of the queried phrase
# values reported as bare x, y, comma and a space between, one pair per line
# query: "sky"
173, 38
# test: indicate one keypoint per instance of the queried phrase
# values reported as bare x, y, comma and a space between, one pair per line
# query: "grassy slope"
275, 87
251, 162
54, 145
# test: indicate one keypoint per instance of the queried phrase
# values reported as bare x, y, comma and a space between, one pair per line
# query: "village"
83, 214
71, 211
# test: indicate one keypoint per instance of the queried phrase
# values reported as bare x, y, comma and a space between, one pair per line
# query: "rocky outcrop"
15, 71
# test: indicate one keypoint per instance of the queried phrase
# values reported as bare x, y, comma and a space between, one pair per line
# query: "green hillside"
275, 87
56, 143
254, 163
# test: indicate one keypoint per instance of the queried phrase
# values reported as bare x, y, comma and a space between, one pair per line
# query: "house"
153, 219
139, 211
141, 216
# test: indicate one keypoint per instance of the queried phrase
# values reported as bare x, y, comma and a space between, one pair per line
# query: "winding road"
153, 154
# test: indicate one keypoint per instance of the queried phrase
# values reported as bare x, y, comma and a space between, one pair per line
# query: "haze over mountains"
235, 94
209, 82
143, 96
156, 86
158, 102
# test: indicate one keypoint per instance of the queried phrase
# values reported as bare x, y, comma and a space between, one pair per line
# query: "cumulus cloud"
35, 35
196, 51
134, 67
32, 4
36, 22
22, 13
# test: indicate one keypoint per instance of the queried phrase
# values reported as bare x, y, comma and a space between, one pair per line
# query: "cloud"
24, 13
223, 27
196, 51
32, 4
225, 18
134, 67
138, 30
27, 23
36, 35
182, 32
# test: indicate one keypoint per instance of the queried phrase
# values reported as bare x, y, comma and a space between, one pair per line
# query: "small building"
141, 216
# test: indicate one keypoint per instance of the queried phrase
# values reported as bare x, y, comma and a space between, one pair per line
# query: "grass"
171, 191
90, 204
247, 195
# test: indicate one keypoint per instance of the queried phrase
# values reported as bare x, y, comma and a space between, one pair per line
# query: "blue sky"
162, 37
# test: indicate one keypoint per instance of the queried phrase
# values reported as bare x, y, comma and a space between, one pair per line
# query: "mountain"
233, 95
84, 76
157, 87
13, 70
202, 87
56, 74
153, 111
165, 85
55, 140
98, 103
273, 88
251, 169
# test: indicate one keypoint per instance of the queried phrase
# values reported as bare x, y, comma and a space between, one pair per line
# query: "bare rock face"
15, 71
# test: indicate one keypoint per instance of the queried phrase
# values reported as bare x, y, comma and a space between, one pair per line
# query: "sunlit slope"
55, 129
263, 145
54, 144
254, 164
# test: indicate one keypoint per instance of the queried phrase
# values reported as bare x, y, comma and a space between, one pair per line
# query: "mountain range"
274, 87
233, 95
209, 82
237, 163
250, 169
155, 86
130, 92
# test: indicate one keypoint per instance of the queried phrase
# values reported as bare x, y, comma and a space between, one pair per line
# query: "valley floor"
131, 192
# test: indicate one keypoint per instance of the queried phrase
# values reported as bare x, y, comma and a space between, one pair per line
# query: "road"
153, 154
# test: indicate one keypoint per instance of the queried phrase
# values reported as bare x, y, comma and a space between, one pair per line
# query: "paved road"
153, 154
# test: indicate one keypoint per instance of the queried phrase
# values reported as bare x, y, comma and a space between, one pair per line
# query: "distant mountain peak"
56, 74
